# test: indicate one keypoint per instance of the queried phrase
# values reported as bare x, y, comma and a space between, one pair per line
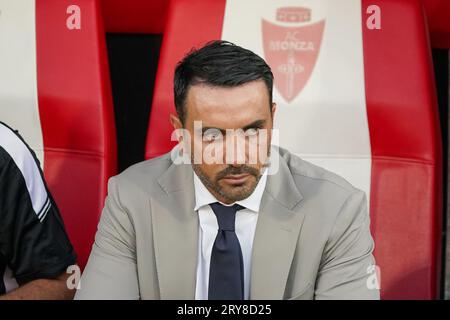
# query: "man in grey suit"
214, 219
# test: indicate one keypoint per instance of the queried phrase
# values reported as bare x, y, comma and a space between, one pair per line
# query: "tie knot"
225, 215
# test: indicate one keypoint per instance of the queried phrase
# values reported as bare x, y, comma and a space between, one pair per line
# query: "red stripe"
76, 113
205, 23
406, 150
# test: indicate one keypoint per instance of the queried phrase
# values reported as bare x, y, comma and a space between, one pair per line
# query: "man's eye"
212, 135
251, 132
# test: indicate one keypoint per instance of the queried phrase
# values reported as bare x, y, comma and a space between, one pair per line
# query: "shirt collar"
204, 197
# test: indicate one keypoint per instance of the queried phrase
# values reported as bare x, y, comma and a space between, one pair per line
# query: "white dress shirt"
245, 226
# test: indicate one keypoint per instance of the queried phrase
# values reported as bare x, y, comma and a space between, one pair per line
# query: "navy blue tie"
226, 270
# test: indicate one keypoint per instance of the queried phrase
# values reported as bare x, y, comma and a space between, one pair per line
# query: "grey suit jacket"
312, 237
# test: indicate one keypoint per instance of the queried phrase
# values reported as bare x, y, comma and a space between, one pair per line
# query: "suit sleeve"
347, 266
111, 271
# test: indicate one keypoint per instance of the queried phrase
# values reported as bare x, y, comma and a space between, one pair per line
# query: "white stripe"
45, 208
23, 159
327, 122
45, 213
18, 80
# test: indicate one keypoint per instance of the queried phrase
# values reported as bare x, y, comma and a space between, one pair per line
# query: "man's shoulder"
309, 177
12, 145
144, 174
326, 194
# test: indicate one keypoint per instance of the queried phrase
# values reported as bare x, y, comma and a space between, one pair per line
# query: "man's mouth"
236, 179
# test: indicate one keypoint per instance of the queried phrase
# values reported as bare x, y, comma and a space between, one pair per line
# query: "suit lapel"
175, 230
276, 236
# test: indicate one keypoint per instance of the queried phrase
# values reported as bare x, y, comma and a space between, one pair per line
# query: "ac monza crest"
291, 49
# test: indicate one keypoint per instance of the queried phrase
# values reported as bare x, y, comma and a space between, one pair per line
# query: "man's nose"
235, 149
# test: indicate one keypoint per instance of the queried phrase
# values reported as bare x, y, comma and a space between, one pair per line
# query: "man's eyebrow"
255, 124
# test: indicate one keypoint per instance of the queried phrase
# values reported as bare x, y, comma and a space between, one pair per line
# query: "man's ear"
175, 121
274, 108
177, 127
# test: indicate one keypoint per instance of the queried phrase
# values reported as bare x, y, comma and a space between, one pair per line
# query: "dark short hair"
218, 63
